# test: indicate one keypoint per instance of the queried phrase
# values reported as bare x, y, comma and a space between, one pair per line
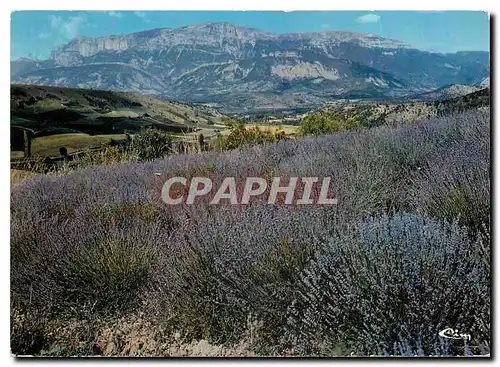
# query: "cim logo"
450, 333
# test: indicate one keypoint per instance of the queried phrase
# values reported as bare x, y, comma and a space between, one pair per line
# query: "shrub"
392, 279
456, 183
240, 136
230, 122
197, 306
150, 144
107, 273
460, 197
217, 281
325, 123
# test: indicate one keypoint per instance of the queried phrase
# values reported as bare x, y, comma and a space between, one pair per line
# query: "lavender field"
403, 255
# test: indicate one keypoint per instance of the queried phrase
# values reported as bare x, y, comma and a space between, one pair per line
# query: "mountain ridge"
209, 62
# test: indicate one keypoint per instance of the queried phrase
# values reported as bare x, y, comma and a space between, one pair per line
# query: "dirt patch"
129, 336
136, 337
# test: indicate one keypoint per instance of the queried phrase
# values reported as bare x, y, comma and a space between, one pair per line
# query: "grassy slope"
49, 145
290, 130
32, 100
70, 114
403, 113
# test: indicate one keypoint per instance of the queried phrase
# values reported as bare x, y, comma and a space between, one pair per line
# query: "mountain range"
241, 68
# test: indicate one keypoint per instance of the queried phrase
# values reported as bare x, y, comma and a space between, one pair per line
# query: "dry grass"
17, 176
288, 129
123, 113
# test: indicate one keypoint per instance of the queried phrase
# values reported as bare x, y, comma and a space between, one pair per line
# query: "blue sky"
36, 33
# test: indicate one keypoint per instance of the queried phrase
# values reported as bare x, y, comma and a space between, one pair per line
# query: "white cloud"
70, 27
368, 18
115, 14
142, 15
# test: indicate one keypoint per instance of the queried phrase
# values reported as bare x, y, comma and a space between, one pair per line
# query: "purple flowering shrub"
226, 280
404, 253
456, 184
394, 278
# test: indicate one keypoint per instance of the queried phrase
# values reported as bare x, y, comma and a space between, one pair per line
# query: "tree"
321, 123
151, 144
240, 136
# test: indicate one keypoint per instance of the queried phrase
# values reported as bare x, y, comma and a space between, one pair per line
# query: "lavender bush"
403, 253
394, 278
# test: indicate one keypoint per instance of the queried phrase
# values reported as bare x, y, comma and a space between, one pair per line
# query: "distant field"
124, 113
288, 129
49, 145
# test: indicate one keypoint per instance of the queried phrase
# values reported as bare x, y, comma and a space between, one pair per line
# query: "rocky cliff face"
224, 63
